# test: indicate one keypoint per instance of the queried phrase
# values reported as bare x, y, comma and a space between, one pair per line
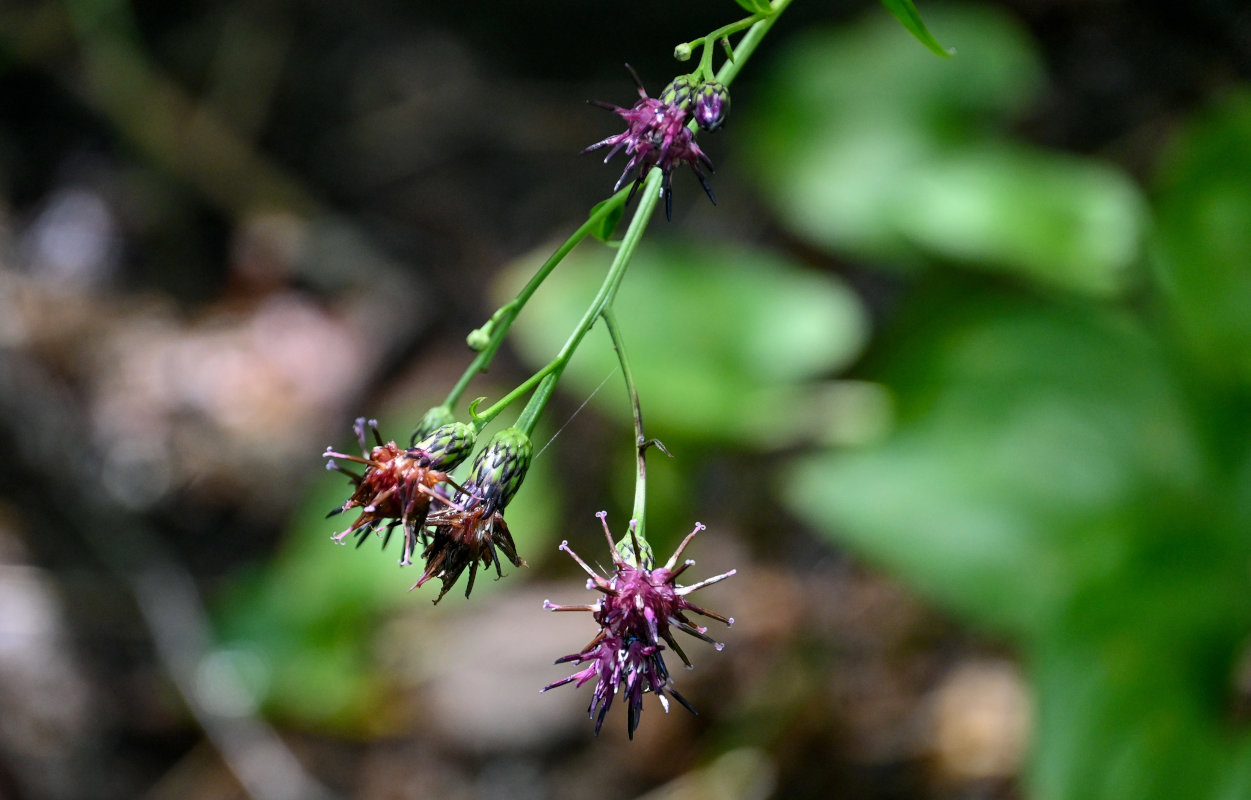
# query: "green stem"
640, 438
649, 195
750, 41
708, 43
503, 318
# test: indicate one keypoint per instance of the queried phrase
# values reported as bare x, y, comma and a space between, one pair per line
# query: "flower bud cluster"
637, 614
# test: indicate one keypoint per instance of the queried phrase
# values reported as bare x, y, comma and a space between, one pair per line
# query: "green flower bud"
435, 418
500, 468
479, 338
679, 92
625, 550
682, 52
446, 446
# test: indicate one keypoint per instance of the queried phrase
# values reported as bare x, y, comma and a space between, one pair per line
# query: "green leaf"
848, 116
1027, 438
756, 6
1048, 480
1055, 219
1201, 250
726, 343
906, 13
868, 147
608, 224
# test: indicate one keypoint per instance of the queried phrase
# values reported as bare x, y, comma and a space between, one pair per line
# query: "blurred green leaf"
906, 13
1026, 432
1047, 479
1201, 249
724, 342
1057, 219
868, 146
847, 115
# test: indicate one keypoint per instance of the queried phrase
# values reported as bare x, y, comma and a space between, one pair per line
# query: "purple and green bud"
712, 103
445, 447
634, 550
500, 468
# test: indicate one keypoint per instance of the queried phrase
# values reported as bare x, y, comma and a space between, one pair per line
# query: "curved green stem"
497, 327
708, 43
750, 41
639, 514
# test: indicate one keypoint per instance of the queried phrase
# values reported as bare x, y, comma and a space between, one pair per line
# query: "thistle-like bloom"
399, 484
469, 527
639, 610
656, 136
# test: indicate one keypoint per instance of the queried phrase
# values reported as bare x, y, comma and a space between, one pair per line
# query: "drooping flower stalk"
638, 531
460, 526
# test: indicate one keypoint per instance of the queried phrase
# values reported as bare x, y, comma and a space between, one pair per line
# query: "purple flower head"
637, 614
656, 136
631, 665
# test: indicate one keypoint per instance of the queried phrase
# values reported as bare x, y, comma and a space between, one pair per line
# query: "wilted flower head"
398, 484
469, 527
639, 610
656, 136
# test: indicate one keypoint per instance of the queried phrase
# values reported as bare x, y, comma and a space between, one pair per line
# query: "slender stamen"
685, 590
595, 576
673, 559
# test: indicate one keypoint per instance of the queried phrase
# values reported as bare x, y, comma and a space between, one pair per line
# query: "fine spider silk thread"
577, 411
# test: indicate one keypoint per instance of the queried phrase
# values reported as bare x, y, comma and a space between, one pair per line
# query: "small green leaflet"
756, 6
906, 13
604, 230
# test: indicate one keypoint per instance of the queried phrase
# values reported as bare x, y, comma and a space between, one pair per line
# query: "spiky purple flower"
656, 135
638, 612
